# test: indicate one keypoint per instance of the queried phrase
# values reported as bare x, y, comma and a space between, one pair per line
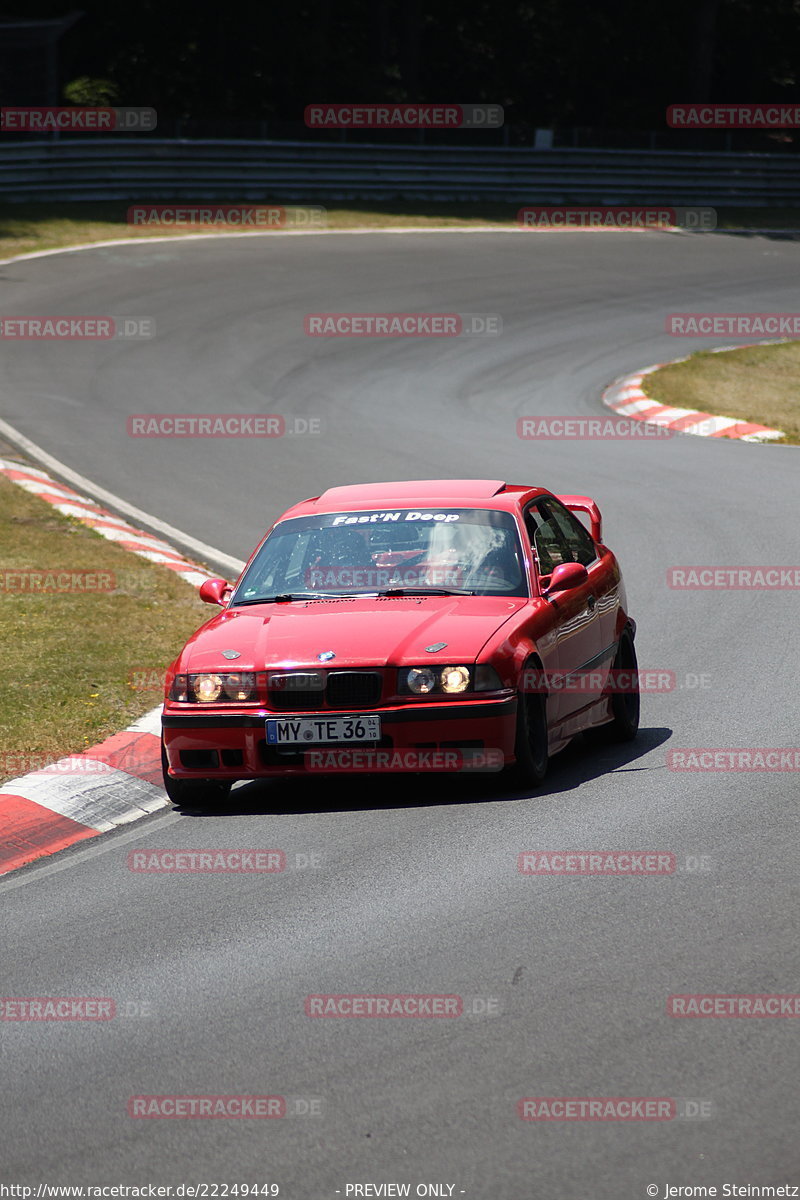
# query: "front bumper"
232, 745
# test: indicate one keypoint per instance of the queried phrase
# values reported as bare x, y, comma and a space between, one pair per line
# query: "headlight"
209, 687
455, 679
426, 681
240, 686
421, 680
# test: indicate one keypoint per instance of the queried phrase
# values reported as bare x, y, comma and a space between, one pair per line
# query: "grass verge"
752, 383
28, 227
79, 666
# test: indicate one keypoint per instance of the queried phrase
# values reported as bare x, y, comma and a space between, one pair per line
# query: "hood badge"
326, 656
231, 654
436, 646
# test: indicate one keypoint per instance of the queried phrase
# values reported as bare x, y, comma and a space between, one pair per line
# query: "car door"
577, 625
605, 579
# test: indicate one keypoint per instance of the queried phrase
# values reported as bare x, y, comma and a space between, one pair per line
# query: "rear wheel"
625, 702
193, 793
530, 748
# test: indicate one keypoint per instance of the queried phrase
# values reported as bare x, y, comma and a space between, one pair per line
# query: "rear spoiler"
586, 505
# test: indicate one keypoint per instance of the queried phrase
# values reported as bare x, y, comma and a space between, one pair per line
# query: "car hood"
360, 632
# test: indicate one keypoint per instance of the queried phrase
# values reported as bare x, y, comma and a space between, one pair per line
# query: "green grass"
28, 227
68, 659
754, 383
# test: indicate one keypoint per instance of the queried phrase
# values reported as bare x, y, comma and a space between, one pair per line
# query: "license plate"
316, 731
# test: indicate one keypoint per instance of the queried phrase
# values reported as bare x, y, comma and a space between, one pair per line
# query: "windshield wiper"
415, 591
287, 597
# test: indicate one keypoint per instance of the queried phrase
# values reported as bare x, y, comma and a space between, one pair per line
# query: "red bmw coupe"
456, 624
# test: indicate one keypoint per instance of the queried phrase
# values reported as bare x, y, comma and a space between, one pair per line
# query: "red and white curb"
628, 398
83, 795
72, 504
117, 781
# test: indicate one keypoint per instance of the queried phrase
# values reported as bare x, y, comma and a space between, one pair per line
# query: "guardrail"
154, 170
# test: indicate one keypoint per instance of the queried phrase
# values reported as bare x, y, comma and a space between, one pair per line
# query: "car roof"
493, 493
414, 489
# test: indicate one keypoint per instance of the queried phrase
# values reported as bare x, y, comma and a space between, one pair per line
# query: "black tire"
530, 747
193, 793
625, 705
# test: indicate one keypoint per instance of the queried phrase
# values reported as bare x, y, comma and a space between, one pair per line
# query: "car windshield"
412, 551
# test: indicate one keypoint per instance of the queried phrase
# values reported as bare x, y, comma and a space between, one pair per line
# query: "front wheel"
530, 748
625, 700
193, 793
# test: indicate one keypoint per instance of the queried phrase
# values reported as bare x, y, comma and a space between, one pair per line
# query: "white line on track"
357, 232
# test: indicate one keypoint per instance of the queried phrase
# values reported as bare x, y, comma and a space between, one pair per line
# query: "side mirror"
213, 591
566, 576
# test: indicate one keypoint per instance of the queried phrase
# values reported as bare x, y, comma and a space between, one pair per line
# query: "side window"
546, 538
581, 547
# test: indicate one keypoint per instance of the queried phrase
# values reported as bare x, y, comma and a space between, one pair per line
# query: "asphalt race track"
417, 889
